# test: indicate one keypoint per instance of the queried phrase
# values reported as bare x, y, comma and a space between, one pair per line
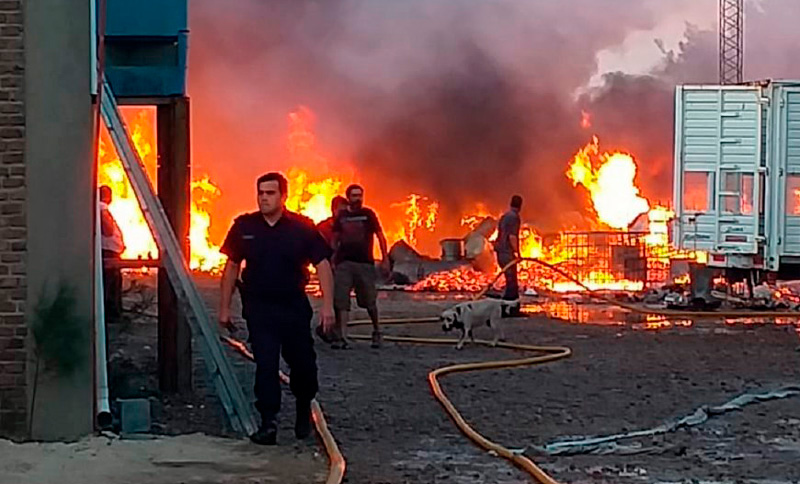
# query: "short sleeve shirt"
506, 228
276, 257
355, 230
325, 229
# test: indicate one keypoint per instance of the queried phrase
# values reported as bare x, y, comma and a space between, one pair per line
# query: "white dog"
468, 315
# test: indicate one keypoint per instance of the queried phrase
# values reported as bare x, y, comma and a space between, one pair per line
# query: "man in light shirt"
112, 246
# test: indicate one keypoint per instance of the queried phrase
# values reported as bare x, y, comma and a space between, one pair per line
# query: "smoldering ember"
399, 242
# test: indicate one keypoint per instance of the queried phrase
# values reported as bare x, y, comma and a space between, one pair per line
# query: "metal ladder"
220, 370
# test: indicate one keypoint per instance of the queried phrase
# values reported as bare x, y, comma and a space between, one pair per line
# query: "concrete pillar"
61, 186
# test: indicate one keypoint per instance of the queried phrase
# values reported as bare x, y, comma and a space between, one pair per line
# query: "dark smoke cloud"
459, 100
635, 113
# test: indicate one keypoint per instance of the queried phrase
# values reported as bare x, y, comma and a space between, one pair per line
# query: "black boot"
267, 434
302, 426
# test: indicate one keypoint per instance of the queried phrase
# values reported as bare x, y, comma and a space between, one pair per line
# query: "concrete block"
134, 415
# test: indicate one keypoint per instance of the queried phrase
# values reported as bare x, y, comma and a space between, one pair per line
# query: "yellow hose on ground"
551, 353
656, 311
336, 462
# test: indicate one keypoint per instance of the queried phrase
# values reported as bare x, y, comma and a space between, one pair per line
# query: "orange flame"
205, 255
139, 242
312, 195
609, 177
124, 207
421, 214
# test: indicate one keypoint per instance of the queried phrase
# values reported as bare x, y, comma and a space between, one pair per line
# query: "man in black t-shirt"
277, 246
354, 230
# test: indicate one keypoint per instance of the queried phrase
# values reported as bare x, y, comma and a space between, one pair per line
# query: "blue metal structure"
146, 44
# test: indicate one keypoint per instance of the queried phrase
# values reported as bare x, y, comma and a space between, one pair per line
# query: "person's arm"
232, 247
325, 275
514, 241
319, 254
229, 275
381, 241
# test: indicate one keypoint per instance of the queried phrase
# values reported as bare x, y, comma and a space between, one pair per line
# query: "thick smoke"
635, 113
463, 101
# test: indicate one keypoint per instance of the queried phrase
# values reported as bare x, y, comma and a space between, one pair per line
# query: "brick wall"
13, 331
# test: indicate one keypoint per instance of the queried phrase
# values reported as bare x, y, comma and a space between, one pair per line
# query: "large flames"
420, 214
608, 178
139, 243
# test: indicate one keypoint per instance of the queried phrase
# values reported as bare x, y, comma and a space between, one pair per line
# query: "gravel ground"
622, 377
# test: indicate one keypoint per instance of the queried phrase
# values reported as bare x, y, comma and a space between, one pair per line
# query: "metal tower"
731, 41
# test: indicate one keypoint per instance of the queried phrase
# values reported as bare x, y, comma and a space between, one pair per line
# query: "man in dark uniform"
507, 246
354, 231
277, 246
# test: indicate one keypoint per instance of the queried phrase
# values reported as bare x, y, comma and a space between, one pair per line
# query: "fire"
139, 242
659, 218
205, 255
420, 214
616, 260
530, 243
475, 216
314, 181
312, 195
124, 207
609, 177
463, 279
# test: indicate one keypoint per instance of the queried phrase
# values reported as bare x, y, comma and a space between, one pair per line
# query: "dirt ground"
190, 458
622, 377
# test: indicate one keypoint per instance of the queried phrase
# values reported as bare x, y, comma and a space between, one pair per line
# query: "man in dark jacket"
277, 246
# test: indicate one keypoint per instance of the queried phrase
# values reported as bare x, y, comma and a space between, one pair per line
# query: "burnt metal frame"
594, 251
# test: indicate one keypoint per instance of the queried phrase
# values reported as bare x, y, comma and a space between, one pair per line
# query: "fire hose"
336, 460
637, 309
546, 354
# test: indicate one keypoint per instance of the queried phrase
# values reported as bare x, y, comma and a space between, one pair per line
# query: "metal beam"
731, 41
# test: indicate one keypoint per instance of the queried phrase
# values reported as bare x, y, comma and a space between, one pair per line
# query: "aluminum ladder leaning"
219, 367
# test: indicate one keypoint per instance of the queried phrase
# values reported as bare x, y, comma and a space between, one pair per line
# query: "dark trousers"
512, 284
112, 286
281, 328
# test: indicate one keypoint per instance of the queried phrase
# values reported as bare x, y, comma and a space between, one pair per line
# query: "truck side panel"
787, 149
718, 150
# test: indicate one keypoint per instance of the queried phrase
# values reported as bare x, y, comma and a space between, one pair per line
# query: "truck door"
786, 146
717, 156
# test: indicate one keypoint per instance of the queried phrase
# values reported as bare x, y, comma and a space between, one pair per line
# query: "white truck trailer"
737, 174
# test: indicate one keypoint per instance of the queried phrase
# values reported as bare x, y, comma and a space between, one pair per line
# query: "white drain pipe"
103, 416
